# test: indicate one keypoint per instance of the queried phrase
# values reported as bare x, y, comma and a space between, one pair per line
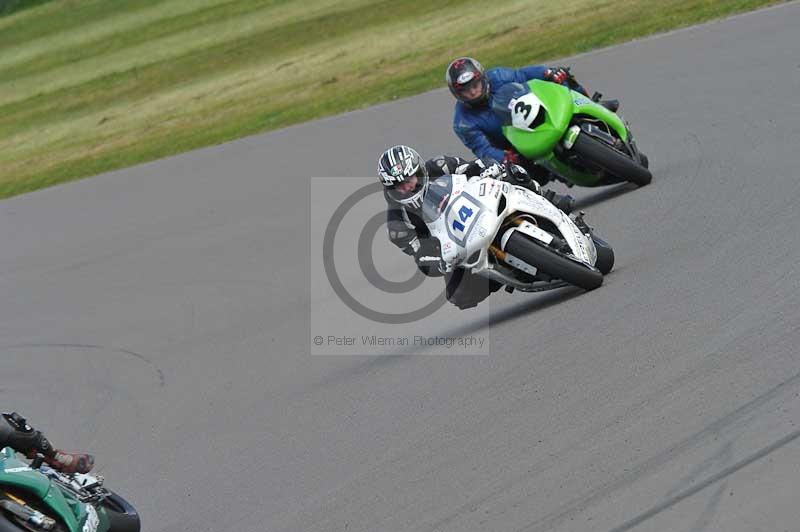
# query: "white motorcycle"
512, 235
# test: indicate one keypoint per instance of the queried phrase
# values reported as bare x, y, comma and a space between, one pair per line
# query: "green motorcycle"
35, 498
574, 137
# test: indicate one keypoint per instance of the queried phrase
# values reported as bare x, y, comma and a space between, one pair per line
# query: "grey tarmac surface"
161, 316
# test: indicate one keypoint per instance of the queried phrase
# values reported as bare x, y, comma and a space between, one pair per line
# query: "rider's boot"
539, 173
71, 462
581, 223
564, 202
611, 105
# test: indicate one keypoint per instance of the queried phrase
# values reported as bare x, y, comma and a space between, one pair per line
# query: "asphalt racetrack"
162, 317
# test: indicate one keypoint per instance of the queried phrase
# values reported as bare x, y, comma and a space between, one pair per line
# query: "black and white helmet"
402, 171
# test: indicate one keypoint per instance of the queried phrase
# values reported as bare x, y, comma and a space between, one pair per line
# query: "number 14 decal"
464, 214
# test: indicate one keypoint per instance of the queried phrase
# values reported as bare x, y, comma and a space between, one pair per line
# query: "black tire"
122, 517
605, 255
612, 161
528, 250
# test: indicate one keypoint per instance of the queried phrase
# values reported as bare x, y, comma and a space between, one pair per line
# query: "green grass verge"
8, 7
93, 85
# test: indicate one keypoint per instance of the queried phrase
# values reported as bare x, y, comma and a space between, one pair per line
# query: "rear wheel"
550, 262
612, 161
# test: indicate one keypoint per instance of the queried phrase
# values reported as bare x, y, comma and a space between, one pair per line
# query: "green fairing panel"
16, 473
541, 141
584, 106
561, 105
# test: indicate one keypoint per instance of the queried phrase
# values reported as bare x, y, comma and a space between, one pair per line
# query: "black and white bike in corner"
512, 235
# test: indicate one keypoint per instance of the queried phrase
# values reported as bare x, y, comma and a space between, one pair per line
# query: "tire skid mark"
720, 458
725, 473
139, 356
710, 510
707, 365
595, 495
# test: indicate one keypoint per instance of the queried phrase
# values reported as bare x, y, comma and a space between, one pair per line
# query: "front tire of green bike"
612, 161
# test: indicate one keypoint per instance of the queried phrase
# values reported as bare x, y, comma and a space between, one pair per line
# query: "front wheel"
548, 261
605, 255
122, 517
612, 161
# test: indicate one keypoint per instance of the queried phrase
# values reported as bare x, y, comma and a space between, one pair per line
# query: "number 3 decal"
524, 111
521, 107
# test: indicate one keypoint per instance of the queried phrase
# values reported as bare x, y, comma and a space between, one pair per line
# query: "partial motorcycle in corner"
37, 498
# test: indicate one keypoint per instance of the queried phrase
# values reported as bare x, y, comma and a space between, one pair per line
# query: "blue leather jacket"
478, 127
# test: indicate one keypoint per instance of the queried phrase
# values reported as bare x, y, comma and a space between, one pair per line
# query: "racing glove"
429, 257
511, 156
557, 75
495, 171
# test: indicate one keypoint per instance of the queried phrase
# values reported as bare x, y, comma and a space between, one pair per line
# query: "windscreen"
436, 198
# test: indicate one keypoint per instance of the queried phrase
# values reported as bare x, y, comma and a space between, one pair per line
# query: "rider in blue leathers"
478, 127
